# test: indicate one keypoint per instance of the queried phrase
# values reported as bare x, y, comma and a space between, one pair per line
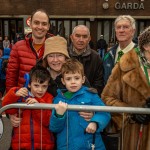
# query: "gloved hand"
142, 118
147, 105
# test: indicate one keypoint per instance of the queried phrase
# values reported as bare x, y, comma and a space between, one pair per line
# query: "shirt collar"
128, 48
76, 51
125, 50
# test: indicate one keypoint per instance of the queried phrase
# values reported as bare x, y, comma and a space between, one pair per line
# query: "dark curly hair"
144, 38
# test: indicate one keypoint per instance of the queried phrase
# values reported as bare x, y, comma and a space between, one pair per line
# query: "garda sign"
124, 5
129, 5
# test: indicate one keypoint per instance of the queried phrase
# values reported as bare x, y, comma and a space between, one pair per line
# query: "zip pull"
93, 143
93, 146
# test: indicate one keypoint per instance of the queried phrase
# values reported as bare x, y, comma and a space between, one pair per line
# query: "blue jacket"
109, 62
71, 127
3, 63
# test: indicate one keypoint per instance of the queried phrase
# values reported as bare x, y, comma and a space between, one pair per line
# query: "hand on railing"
142, 118
60, 108
15, 120
31, 100
147, 105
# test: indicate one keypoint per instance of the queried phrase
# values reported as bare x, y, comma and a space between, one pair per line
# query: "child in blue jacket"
73, 132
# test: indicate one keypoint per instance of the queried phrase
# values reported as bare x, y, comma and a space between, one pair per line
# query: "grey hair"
126, 17
81, 26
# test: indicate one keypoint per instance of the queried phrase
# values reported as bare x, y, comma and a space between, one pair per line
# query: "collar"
125, 50
79, 92
133, 74
129, 61
76, 51
86, 52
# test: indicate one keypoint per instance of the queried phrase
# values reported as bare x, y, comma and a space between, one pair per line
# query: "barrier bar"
136, 110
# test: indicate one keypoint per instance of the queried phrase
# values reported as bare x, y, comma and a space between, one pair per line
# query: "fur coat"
128, 87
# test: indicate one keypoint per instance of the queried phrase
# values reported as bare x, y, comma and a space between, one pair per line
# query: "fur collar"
133, 74
129, 61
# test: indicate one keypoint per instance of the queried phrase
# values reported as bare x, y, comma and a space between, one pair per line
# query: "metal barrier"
136, 110
111, 109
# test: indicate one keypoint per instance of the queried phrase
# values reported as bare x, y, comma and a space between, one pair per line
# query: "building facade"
98, 15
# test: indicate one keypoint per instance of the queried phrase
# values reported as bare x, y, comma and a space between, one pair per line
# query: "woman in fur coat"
129, 86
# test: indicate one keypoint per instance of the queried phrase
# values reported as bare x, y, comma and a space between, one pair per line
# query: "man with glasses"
125, 29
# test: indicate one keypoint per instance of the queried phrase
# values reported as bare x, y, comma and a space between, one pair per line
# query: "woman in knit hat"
129, 86
54, 57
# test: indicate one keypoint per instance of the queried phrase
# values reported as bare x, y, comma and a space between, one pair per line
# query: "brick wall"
75, 8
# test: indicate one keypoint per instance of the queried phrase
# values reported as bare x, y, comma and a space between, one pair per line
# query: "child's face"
73, 82
38, 89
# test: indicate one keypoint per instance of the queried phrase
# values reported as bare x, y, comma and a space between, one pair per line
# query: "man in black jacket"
90, 59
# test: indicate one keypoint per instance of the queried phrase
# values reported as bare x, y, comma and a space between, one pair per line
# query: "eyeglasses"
123, 27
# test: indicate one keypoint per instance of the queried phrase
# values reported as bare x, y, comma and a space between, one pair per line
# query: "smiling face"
124, 31
73, 81
38, 89
80, 38
55, 61
39, 25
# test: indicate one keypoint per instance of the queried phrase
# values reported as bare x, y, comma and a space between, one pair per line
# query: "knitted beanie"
56, 44
144, 38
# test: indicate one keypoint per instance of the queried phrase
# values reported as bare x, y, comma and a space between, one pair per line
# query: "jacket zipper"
31, 132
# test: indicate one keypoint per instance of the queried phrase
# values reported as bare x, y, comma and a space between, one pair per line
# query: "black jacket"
93, 67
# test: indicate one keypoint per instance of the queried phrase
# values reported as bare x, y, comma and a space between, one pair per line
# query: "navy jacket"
109, 62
